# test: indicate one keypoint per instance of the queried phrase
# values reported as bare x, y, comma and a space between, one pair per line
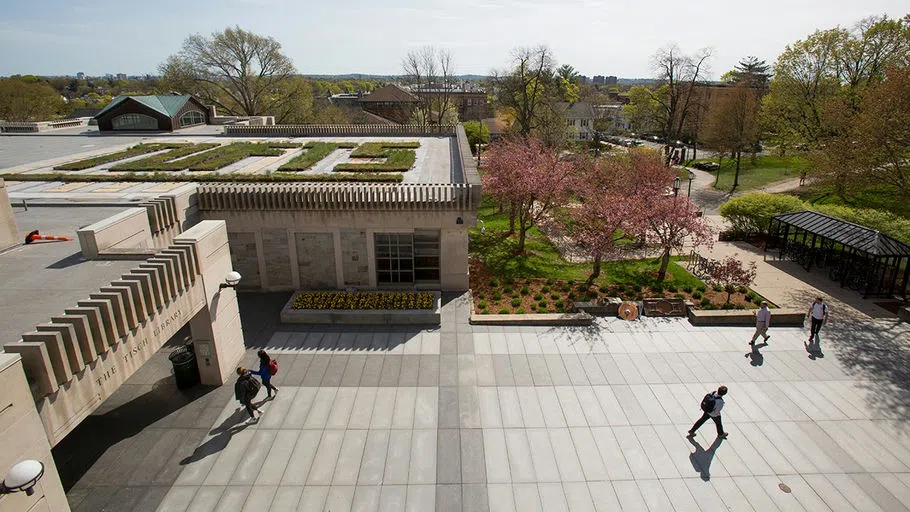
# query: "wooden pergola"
858, 257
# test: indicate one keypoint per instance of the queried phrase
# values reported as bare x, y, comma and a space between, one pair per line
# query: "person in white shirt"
762, 321
818, 313
714, 413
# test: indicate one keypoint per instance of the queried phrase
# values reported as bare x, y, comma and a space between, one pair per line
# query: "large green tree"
528, 88
240, 72
25, 99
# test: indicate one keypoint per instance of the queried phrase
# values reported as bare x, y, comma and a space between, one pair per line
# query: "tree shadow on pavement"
877, 354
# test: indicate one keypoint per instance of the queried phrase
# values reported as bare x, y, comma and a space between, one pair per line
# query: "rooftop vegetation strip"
164, 161
342, 145
313, 152
139, 149
209, 160
397, 160
275, 177
381, 149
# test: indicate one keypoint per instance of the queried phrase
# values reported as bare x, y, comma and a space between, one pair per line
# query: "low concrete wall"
904, 314
289, 315
607, 307
128, 229
782, 317
547, 319
9, 233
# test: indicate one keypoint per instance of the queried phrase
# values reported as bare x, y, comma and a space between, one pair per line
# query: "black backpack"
708, 402
252, 387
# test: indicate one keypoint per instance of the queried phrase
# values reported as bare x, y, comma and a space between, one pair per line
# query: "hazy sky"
62, 37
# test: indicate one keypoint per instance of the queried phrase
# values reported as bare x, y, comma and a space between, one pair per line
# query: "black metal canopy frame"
860, 258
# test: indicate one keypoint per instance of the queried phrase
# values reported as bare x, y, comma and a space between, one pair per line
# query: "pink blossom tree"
730, 273
669, 222
528, 176
602, 222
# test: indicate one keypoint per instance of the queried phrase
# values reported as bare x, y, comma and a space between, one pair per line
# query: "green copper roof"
167, 104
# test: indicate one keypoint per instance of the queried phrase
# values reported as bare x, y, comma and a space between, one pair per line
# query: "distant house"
391, 102
472, 105
167, 112
616, 120
579, 118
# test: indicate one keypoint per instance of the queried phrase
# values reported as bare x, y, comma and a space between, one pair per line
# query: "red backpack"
273, 367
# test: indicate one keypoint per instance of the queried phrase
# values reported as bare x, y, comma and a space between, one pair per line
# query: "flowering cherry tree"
730, 273
669, 222
530, 178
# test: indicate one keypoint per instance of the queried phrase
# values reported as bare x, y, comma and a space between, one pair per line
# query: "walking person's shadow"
701, 458
814, 348
221, 437
757, 358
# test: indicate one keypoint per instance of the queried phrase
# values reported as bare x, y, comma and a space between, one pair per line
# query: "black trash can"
185, 369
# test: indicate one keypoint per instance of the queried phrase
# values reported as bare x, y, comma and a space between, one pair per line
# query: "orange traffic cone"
34, 235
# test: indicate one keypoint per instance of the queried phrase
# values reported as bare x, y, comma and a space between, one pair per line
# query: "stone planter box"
289, 315
782, 317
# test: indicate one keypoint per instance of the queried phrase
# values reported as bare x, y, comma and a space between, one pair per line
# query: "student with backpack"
245, 390
818, 313
267, 368
711, 405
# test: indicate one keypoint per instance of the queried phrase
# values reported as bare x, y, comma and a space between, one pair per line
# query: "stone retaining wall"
783, 317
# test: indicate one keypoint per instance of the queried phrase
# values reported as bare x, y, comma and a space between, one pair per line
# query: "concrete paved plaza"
520, 419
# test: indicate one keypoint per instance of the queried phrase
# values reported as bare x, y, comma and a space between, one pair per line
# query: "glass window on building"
407, 258
193, 117
135, 122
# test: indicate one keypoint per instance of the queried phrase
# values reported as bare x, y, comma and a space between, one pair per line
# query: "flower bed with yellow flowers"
369, 301
367, 307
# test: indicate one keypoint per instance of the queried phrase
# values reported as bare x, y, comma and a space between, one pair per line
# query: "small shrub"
507, 290
657, 287
515, 295
702, 288
497, 296
696, 295
671, 288
542, 304
567, 288
740, 306
533, 308
558, 304
591, 295
550, 281
520, 311
509, 281
757, 299
525, 290
604, 289
545, 289
687, 289
705, 301
571, 296
718, 288
571, 282
554, 296
727, 306
711, 307
636, 288
484, 311
516, 303
478, 295
741, 289
679, 296
538, 296
504, 311
482, 304
494, 282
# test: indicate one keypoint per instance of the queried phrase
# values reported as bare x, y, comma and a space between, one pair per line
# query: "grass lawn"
882, 197
767, 169
541, 259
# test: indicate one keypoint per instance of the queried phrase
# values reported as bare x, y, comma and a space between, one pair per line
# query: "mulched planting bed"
397, 160
494, 295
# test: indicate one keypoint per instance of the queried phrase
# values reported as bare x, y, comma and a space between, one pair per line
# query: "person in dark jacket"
263, 373
245, 390
713, 414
